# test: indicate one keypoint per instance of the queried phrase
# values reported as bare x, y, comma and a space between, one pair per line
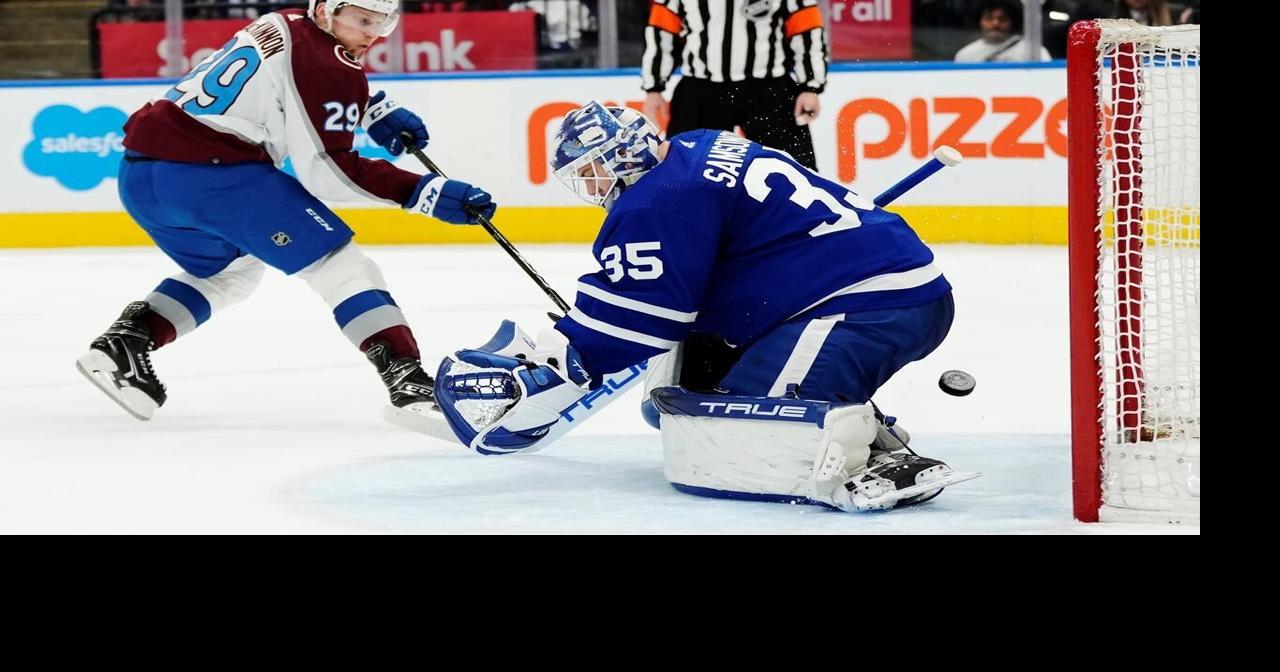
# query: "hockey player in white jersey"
201, 174
782, 300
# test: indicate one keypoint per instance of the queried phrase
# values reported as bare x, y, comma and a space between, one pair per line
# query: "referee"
757, 64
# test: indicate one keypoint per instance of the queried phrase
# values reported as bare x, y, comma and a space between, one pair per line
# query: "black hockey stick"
495, 234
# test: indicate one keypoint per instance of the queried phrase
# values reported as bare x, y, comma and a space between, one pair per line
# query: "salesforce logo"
78, 149
81, 149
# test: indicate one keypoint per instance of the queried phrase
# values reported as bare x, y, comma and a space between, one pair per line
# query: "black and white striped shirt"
736, 40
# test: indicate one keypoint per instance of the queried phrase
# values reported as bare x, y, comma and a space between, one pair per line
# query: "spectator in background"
1001, 41
1191, 13
565, 21
1146, 12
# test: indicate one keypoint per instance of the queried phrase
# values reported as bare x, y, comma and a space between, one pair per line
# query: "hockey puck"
957, 383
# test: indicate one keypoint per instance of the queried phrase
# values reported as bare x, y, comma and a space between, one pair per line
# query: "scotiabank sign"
870, 29
457, 42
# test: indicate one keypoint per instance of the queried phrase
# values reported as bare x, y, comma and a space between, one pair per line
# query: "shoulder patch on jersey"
346, 57
294, 17
687, 144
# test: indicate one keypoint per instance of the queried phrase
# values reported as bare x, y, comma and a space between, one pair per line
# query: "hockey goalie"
770, 302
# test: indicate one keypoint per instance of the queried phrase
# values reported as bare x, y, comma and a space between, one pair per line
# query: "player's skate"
411, 388
412, 392
119, 363
892, 480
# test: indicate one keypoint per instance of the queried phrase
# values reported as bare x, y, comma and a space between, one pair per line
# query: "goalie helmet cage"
1134, 241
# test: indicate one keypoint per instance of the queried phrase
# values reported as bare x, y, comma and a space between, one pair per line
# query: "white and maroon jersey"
280, 87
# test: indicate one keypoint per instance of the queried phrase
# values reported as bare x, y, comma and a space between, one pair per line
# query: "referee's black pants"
764, 108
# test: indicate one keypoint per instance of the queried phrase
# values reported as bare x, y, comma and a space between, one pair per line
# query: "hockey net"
1134, 130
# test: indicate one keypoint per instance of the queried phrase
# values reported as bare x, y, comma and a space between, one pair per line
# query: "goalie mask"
600, 151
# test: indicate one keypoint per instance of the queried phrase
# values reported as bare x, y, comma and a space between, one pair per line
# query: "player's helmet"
623, 142
390, 8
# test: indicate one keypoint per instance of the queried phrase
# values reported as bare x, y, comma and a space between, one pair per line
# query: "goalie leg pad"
760, 448
664, 371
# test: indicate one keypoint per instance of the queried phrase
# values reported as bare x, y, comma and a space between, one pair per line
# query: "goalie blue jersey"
729, 237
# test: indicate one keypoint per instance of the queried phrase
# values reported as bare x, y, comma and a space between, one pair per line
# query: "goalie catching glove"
498, 399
